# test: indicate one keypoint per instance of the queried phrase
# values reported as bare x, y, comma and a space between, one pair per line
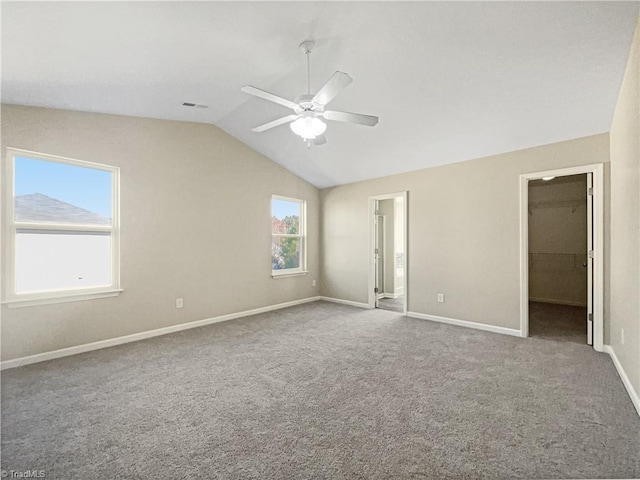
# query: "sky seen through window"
87, 188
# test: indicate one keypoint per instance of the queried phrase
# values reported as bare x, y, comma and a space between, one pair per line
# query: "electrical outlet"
622, 336
179, 303
314, 283
441, 298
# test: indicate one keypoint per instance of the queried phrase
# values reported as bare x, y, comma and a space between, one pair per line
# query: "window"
288, 230
61, 229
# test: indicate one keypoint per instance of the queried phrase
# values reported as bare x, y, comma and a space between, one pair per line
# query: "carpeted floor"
392, 304
561, 323
323, 391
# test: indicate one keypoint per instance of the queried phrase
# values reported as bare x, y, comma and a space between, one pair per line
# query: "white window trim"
302, 270
9, 229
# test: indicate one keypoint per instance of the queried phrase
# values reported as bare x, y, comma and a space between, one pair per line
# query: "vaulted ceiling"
450, 81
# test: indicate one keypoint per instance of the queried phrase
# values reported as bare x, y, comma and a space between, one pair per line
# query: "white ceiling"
450, 81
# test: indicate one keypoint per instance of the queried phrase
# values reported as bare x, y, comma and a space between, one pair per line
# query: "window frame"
10, 228
302, 235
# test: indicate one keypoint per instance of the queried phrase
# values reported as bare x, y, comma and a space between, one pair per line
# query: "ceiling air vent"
196, 105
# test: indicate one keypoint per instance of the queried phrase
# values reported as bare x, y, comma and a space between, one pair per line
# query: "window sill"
298, 273
61, 298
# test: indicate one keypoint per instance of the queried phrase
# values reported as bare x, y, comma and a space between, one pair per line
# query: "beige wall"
625, 219
463, 232
195, 216
558, 240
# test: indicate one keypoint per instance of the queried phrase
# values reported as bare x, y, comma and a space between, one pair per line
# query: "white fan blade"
256, 92
368, 120
320, 140
275, 123
330, 90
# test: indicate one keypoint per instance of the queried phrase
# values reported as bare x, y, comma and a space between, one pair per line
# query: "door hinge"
590, 191
375, 290
591, 254
591, 317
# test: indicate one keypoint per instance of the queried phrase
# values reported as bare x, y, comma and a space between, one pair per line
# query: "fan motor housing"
306, 103
307, 46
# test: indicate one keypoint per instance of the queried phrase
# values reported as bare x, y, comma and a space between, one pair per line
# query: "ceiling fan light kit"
308, 126
309, 110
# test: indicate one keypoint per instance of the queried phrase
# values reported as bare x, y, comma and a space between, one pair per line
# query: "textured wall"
463, 232
625, 219
195, 217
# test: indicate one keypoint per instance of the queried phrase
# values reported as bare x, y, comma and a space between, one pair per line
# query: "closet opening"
562, 268
558, 259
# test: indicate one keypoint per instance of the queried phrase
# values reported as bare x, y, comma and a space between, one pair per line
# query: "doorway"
559, 218
562, 255
388, 252
380, 252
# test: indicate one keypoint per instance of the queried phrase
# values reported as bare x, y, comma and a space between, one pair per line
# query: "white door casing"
373, 200
589, 259
597, 246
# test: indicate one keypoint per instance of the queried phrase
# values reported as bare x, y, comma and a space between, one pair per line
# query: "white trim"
557, 302
598, 246
286, 272
87, 347
371, 280
465, 323
384, 248
11, 227
57, 228
61, 159
635, 399
345, 302
301, 235
287, 199
372, 267
66, 297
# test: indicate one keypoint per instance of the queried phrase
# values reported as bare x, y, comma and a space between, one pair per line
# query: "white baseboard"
557, 302
345, 302
390, 295
87, 347
464, 323
635, 399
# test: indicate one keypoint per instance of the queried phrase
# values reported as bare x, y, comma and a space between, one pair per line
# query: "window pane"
53, 261
285, 216
285, 253
60, 193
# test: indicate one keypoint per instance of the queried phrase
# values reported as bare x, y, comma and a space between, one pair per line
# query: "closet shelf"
557, 260
565, 254
573, 203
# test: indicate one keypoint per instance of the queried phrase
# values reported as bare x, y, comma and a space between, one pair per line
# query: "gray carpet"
323, 391
392, 304
561, 323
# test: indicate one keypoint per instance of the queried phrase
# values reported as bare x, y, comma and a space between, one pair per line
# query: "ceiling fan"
309, 110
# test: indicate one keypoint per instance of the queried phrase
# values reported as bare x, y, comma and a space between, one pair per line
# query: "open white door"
590, 256
379, 256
